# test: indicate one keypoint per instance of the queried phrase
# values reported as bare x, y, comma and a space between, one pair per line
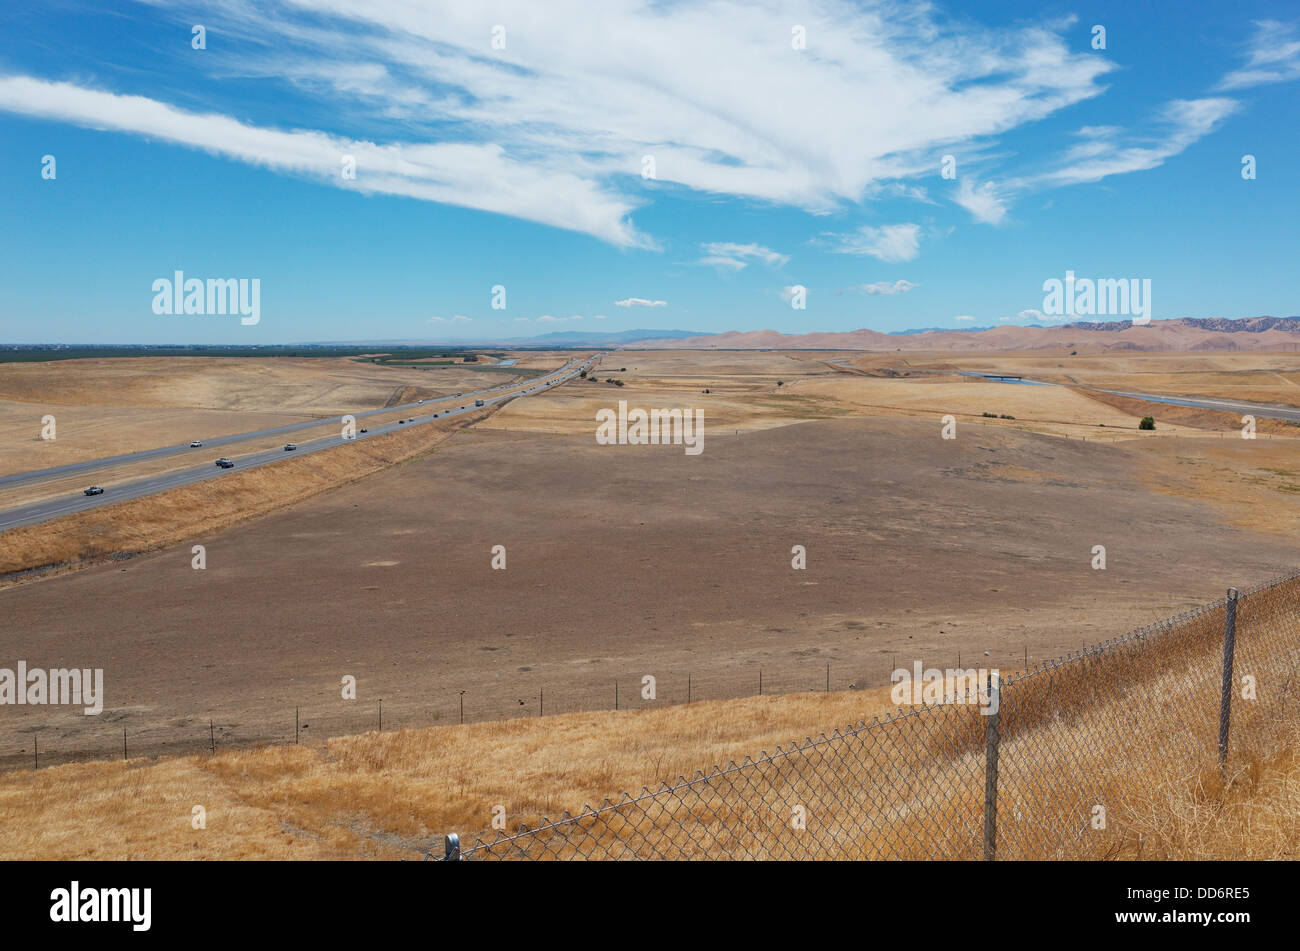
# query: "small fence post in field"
124, 743
991, 771
295, 724
36, 750
462, 708
1225, 700
212, 737
616, 695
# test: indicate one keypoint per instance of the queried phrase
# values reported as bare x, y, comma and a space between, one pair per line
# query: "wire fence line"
74, 738
1070, 759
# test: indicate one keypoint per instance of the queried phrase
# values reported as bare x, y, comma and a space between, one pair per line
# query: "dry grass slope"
1131, 726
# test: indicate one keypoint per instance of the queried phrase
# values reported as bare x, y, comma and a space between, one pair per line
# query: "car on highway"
401, 422
478, 402
225, 463
365, 430
196, 444
290, 446
93, 490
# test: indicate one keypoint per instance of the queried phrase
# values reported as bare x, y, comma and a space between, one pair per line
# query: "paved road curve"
207, 469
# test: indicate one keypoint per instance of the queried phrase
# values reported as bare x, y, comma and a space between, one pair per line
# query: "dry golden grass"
1131, 730
1251, 813
386, 795
157, 521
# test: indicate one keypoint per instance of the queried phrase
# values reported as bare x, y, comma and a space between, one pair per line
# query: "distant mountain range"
582, 338
559, 338
1177, 335
1184, 334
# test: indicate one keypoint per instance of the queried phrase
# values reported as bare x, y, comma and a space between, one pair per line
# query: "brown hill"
1184, 334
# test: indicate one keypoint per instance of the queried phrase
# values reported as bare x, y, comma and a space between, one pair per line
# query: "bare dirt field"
624, 561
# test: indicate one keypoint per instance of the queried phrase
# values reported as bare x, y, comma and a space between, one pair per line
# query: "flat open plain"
626, 561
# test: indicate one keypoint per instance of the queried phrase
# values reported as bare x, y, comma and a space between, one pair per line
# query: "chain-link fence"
1069, 759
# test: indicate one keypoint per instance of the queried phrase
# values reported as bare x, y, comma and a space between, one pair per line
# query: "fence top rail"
1163, 626
922, 710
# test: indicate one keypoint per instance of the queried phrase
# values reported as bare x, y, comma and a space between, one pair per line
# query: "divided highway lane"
93, 465
1232, 406
53, 508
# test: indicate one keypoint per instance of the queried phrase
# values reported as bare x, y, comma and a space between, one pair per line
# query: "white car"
196, 444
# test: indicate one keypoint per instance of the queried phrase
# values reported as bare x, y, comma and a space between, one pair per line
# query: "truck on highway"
478, 402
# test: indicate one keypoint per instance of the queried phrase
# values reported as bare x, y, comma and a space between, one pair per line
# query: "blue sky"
523, 166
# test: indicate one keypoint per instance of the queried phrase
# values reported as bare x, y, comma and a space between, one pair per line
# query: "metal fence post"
991, 772
1225, 699
451, 848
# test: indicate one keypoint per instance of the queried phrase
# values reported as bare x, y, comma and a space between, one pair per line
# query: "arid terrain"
629, 561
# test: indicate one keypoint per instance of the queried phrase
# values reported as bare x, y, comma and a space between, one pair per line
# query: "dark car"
401, 422
290, 446
365, 430
225, 463
94, 490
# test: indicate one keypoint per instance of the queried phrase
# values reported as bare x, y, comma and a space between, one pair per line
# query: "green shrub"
1148, 422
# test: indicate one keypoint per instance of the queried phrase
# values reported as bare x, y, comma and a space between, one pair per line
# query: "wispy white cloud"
1273, 56
734, 257
553, 127
454, 319
1102, 150
474, 175
891, 243
982, 201
964, 317
640, 302
884, 287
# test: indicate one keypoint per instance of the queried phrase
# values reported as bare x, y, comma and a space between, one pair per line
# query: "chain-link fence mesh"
1070, 759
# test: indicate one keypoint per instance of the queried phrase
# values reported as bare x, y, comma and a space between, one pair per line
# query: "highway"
207, 469
1226, 406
